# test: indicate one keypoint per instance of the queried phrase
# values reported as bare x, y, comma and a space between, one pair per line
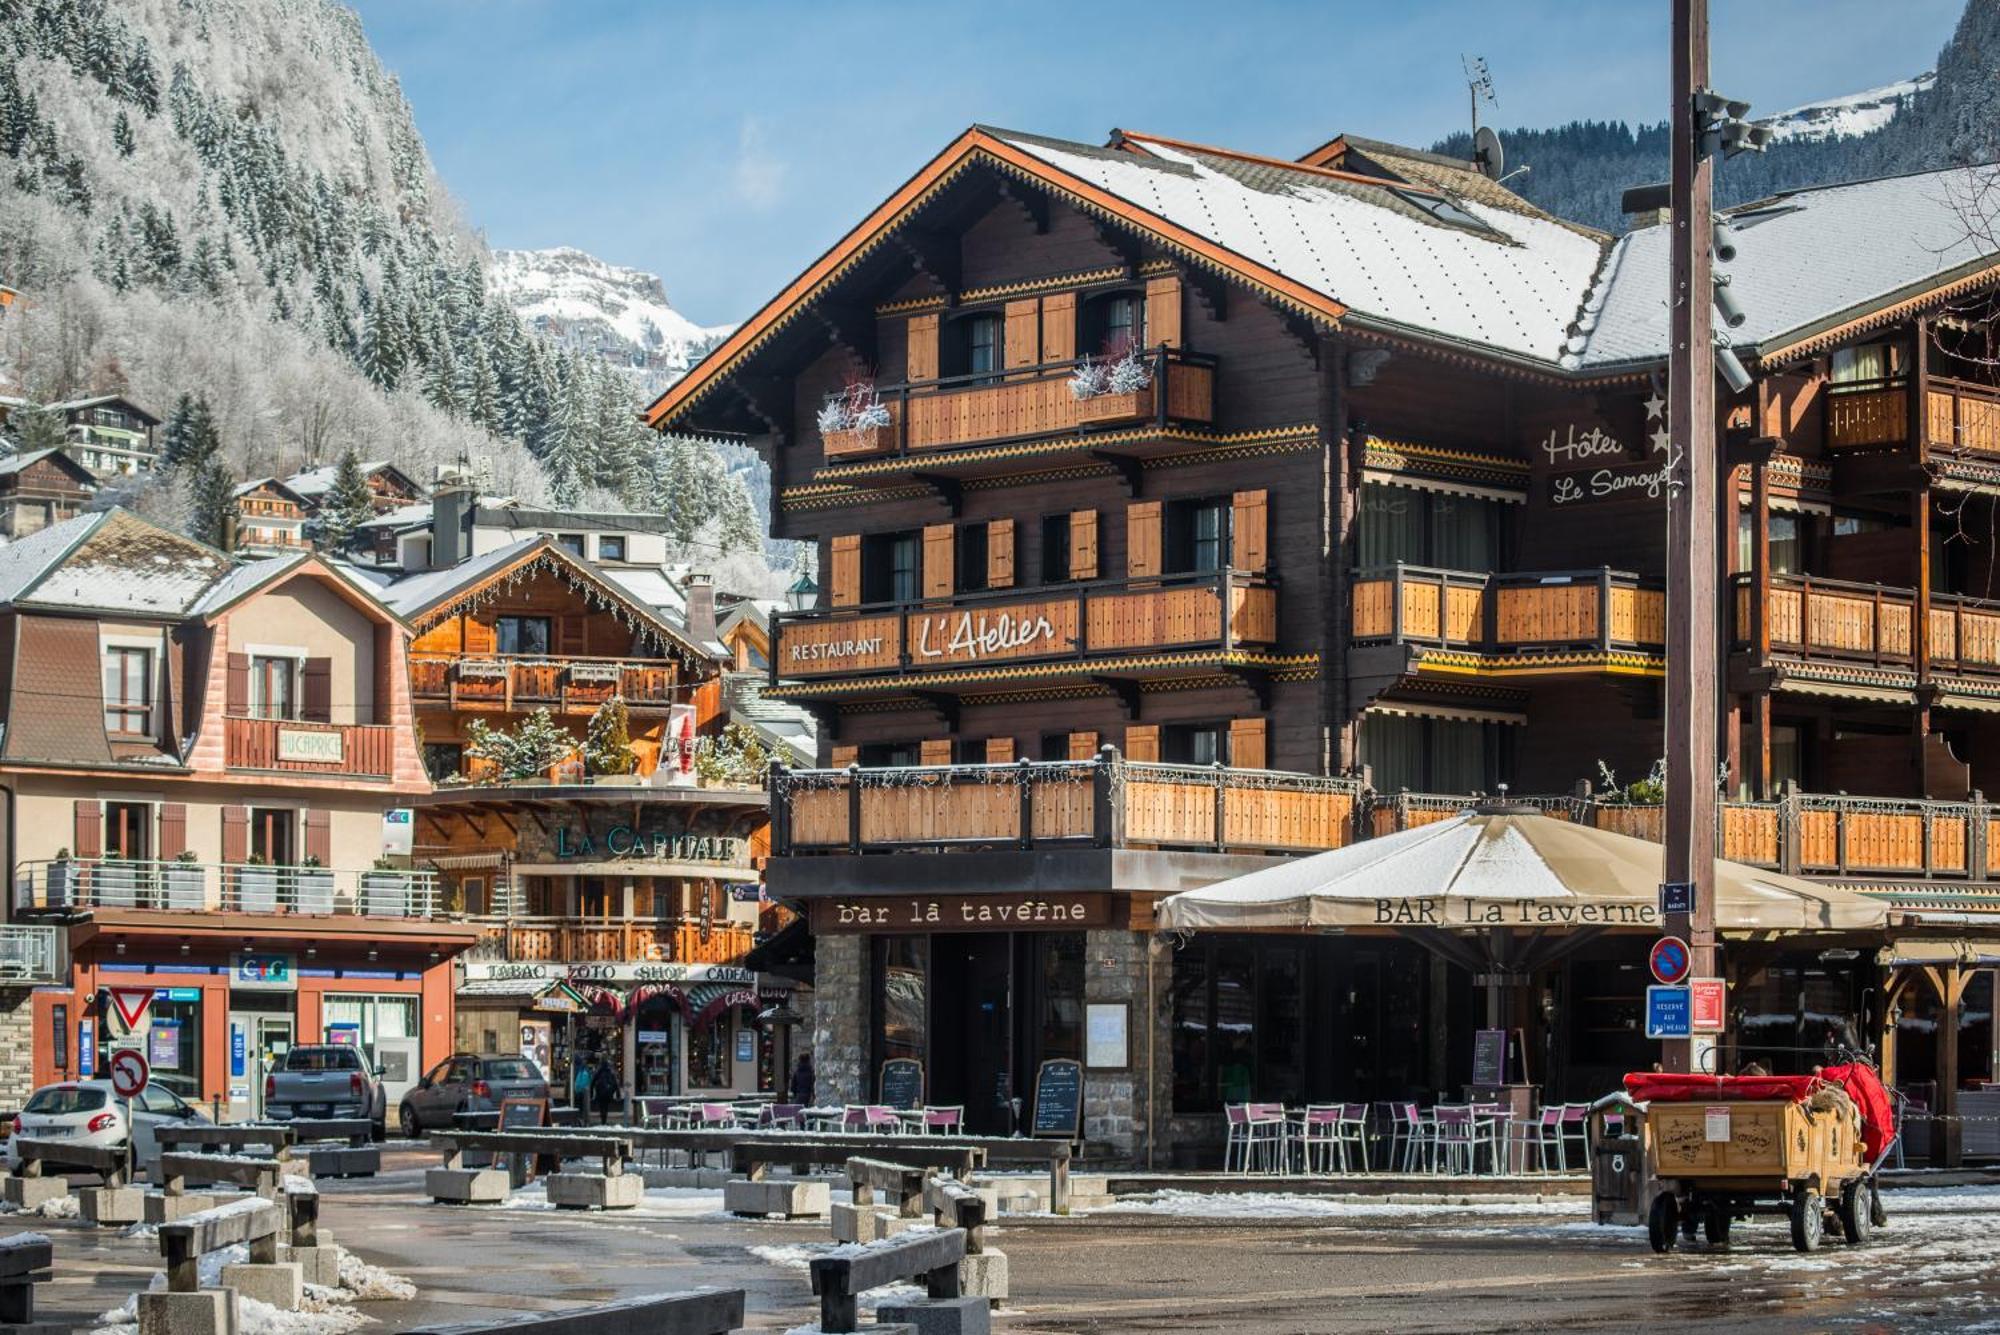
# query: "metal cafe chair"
1456, 1139
1255, 1139
1576, 1131
1410, 1137
943, 1121
1318, 1138
1351, 1133
1542, 1135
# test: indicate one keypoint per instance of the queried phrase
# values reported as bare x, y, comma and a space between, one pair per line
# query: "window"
1112, 323
1428, 528
889, 568
974, 345
570, 542
610, 548
522, 635
1191, 743
971, 563
709, 1054
273, 687
271, 835
1787, 754
901, 972
1055, 549
1055, 746
1238, 1023
128, 691
1432, 755
889, 755
128, 829
443, 760
1865, 363
1197, 535
1787, 547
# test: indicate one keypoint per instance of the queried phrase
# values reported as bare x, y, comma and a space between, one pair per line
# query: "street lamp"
803, 593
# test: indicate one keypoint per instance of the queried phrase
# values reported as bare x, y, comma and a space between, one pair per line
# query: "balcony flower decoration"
607, 742
526, 752
857, 407
1124, 370
738, 758
1650, 791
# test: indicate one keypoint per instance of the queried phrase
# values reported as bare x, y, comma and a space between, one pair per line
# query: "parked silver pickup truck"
325, 1080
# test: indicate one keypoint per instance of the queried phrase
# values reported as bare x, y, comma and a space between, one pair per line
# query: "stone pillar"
17, 1045
1125, 1109
841, 1024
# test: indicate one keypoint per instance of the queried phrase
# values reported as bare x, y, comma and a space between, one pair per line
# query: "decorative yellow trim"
911, 305
800, 690
1444, 455
1029, 286
1614, 662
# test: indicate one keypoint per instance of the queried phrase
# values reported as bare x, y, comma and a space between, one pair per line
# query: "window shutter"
1142, 741
1246, 744
846, 565
1083, 544
935, 751
1163, 311
1249, 535
840, 757
319, 836
235, 834
922, 359
1142, 539
938, 577
173, 830
89, 833
237, 696
570, 632
316, 691
1022, 343
999, 750
1059, 327
1000, 554
480, 637
1083, 746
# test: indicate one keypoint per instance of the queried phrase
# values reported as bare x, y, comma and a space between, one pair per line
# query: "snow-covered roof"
98, 400
111, 562
243, 580
1804, 261
414, 515
650, 587
314, 482
15, 463
410, 595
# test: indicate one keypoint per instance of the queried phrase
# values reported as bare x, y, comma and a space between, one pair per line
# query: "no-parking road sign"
129, 1072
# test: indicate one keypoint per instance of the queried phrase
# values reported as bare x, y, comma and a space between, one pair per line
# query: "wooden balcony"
958, 411
1104, 803
1507, 613
1053, 624
562, 684
1960, 418
546, 940
290, 746
1869, 623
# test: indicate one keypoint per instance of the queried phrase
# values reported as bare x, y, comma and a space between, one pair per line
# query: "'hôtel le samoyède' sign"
957, 635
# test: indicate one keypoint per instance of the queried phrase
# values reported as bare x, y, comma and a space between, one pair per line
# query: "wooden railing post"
1396, 631
1876, 629
1975, 836
778, 783
1223, 589
854, 808
1024, 779
1108, 798
1840, 834
1788, 829
1221, 777
1805, 616
1604, 608
1160, 387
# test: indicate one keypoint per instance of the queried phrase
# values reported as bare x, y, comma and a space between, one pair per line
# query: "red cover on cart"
1664, 1087
1878, 1115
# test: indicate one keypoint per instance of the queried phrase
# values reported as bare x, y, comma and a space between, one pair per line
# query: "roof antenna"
1478, 84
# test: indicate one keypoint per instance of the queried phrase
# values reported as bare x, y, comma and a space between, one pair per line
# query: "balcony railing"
197, 887
32, 954
560, 940
1959, 417
1604, 608
1105, 802
1029, 401
1812, 617
565, 683
292, 746
1053, 623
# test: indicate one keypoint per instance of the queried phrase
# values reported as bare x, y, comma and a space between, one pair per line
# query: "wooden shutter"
570, 633
237, 695
938, 558
1083, 746
1000, 554
1246, 744
1249, 534
1022, 343
1142, 539
1142, 741
316, 691
921, 362
89, 833
1163, 311
1083, 544
935, 751
846, 564
1059, 327
999, 750
319, 836
235, 834
173, 830
479, 637
840, 757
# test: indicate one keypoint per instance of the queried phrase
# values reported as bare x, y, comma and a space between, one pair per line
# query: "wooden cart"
1694, 1168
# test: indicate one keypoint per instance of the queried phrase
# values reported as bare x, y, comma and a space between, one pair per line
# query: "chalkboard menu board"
1059, 1099
902, 1083
1489, 1057
520, 1114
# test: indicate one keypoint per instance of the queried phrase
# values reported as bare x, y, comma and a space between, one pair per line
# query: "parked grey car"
325, 1080
469, 1082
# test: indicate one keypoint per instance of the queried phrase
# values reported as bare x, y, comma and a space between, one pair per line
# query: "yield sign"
129, 1006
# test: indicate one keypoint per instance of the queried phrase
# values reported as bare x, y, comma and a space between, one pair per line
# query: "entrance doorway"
971, 1047
274, 1040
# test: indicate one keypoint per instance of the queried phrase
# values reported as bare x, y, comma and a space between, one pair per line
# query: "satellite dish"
1487, 154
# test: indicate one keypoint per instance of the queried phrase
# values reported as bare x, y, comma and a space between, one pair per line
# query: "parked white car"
88, 1113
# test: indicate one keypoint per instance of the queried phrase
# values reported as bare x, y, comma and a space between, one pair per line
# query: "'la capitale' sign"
623, 841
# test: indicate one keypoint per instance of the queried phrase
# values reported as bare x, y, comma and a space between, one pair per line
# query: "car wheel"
411, 1127
379, 1132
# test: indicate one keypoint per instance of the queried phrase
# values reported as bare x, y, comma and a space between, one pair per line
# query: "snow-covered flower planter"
481, 669
1115, 389
855, 421
594, 673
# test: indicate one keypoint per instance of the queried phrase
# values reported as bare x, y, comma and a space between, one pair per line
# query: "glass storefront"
710, 1051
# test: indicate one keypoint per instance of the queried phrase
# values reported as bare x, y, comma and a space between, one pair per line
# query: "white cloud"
758, 174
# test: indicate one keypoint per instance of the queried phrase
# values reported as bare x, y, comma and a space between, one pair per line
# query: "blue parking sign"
1667, 1013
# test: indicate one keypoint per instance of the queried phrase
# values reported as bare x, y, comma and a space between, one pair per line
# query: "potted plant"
315, 887
256, 886
117, 882
385, 891
1119, 387
60, 887
186, 882
855, 421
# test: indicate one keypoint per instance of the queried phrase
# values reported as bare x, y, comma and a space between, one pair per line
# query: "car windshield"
510, 1068
322, 1059
57, 1100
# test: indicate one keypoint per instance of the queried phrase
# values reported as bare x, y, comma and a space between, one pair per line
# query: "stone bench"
703, 1312
983, 1272
868, 1220
612, 1189
185, 1308
26, 1259
172, 1200
841, 1276
309, 1245
274, 1140
32, 1186
337, 1146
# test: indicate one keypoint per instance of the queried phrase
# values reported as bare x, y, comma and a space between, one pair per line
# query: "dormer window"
128, 692
1112, 323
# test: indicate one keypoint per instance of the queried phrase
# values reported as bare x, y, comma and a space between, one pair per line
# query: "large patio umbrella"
1498, 868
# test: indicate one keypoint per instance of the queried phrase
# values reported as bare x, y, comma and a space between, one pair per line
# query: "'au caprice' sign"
1437, 912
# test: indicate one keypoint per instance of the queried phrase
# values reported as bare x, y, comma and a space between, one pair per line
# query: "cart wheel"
1663, 1223
1856, 1218
1808, 1219
1715, 1225
1877, 1216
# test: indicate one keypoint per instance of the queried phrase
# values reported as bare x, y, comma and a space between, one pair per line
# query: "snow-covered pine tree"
348, 503
211, 502
175, 432
382, 353
607, 742
527, 752
37, 428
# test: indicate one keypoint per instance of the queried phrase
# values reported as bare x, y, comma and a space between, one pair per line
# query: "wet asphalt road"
1373, 1269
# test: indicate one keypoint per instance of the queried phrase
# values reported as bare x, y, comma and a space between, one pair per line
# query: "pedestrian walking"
604, 1090
802, 1080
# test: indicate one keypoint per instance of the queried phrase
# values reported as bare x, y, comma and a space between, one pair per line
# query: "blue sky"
725, 145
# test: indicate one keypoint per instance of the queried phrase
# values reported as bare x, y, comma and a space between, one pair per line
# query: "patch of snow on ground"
363, 1282
1288, 1205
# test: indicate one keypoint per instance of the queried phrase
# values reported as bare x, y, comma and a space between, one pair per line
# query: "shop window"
1114, 322
710, 1049
1191, 743
1793, 1018
443, 760
1055, 549
611, 548
373, 1019
900, 975
1428, 528
1058, 983
889, 566
274, 686
1197, 535
1238, 1026
971, 563
972, 346
173, 1046
523, 635
128, 692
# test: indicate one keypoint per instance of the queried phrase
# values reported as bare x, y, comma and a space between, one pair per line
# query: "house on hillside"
270, 518
110, 434
389, 487
42, 488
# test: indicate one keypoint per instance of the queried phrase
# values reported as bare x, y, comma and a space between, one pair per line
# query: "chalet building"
616, 902
208, 770
389, 487
270, 519
459, 523
1181, 509
41, 488
110, 435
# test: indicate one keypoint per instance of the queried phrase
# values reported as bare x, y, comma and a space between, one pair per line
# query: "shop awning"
1955, 951
1506, 867
503, 987
709, 1000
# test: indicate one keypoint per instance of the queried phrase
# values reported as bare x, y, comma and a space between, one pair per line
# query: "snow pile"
1283, 1205
324, 1312
59, 1207
362, 1282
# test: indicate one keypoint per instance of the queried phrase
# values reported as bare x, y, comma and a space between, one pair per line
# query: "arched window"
972, 345
1112, 323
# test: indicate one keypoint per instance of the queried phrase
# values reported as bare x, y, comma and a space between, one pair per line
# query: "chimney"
701, 608
451, 518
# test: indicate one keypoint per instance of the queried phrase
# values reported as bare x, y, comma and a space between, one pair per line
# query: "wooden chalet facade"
42, 488
1357, 509
270, 519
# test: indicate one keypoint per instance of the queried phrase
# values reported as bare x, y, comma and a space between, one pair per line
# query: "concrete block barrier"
795, 1198
203, 1312
594, 1191
467, 1186
111, 1205
940, 1316
279, 1283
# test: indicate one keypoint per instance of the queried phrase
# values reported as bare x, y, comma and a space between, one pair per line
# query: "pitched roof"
315, 482
109, 562
16, 463
71, 405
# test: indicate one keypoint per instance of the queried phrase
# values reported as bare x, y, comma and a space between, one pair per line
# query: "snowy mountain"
1847, 117
621, 314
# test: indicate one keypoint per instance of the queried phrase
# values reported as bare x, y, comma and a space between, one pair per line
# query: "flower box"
594, 674
257, 889
315, 886
186, 886
1116, 407
385, 894
117, 885
481, 669
60, 887
858, 440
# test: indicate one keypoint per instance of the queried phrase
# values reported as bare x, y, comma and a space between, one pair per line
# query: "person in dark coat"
604, 1089
802, 1080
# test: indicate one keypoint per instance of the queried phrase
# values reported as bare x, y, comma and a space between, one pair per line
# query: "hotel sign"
960, 913
310, 747
624, 841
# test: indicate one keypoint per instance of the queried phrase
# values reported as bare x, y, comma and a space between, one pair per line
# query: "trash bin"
1617, 1161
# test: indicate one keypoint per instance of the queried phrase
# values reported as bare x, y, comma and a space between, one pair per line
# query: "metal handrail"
76, 884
